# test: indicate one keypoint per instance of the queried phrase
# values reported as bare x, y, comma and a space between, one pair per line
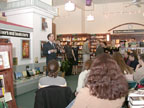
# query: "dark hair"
141, 57
86, 39
120, 61
134, 54
88, 64
105, 79
52, 68
104, 43
49, 35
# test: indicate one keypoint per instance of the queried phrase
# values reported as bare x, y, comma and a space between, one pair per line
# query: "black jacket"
48, 46
53, 97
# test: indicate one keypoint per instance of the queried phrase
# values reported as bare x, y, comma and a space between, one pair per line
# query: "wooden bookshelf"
8, 74
78, 38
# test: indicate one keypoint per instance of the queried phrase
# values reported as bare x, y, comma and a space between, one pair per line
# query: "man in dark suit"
49, 49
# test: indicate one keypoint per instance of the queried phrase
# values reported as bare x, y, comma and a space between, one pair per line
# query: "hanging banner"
14, 33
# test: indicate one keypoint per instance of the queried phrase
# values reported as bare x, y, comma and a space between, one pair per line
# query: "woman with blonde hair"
126, 70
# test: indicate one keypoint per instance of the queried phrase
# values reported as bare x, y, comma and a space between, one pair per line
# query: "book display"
6, 73
136, 99
78, 38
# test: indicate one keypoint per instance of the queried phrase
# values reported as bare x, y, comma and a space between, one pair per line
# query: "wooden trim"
125, 24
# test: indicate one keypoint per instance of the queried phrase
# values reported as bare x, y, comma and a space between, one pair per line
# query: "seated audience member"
126, 70
133, 61
83, 75
106, 86
126, 58
52, 78
139, 74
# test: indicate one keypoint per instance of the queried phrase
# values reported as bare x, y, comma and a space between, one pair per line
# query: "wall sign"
129, 31
14, 33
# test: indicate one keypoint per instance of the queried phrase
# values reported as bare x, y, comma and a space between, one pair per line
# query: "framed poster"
41, 46
4, 60
25, 49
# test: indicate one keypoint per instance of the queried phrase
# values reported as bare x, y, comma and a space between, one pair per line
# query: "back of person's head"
68, 43
88, 64
105, 79
53, 68
120, 61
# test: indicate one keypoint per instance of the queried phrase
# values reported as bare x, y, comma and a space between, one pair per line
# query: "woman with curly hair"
106, 86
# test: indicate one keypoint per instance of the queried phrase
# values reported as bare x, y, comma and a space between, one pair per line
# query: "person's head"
133, 56
105, 79
88, 64
120, 61
50, 37
126, 54
53, 68
97, 42
68, 43
74, 43
133, 39
141, 59
103, 44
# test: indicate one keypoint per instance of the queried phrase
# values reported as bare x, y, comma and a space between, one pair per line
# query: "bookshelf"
93, 38
7, 73
78, 38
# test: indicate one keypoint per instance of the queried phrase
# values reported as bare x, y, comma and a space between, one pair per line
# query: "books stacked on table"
136, 99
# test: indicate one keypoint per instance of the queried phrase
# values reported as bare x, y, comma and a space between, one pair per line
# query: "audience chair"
53, 97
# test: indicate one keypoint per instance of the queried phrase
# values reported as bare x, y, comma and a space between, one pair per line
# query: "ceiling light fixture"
90, 17
69, 6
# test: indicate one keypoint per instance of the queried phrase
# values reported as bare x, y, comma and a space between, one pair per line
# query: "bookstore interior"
22, 61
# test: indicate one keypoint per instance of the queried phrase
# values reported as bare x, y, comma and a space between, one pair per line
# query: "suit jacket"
48, 46
53, 97
99, 50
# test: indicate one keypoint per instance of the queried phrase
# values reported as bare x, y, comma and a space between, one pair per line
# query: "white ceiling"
61, 2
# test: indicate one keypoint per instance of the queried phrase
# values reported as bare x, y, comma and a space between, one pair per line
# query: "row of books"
27, 73
136, 99
2, 86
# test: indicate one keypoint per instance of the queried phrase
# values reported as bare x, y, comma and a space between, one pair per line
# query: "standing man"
86, 52
49, 49
99, 48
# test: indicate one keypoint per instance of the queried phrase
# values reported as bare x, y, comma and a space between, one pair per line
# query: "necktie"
53, 45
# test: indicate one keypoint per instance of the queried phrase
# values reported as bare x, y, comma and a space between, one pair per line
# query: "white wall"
11, 0
68, 22
47, 1
111, 15
30, 17
107, 16
40, 35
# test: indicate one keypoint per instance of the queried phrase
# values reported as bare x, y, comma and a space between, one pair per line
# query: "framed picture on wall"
44, 24
41, 46
25, 49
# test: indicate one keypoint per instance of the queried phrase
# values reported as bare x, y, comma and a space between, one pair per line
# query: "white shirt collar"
50, 42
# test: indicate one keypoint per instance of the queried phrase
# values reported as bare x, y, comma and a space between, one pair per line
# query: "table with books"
136, 99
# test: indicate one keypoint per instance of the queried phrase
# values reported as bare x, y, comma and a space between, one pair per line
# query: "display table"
25, 85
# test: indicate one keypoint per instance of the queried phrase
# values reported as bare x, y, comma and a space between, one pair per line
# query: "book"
135, 106
2, 86
4, 60
137, 100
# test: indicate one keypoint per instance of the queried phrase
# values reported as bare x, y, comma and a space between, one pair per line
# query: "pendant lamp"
69, 6
90, 18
